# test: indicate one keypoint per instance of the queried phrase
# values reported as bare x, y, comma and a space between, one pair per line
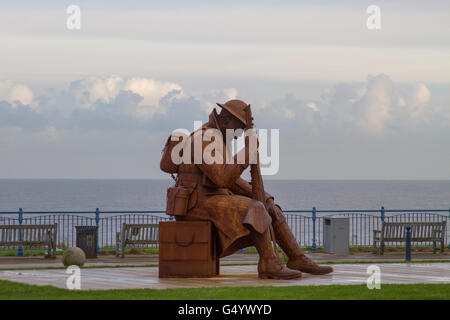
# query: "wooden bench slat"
135, 234
420, 232
30, 235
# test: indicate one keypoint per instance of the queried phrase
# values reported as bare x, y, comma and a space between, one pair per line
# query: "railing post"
382, 216
314, 246
408, 243
448, 221
97, 222
20, 249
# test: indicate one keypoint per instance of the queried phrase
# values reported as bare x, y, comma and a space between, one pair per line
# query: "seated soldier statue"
218, 194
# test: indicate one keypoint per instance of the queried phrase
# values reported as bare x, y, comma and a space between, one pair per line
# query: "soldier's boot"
269, 265
297, 259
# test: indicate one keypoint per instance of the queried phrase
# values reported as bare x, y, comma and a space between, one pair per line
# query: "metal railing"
306, 225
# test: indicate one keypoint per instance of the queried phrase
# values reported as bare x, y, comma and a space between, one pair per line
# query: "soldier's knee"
259, 207
257, 216
278, 216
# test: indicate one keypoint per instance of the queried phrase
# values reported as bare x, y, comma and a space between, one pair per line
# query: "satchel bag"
177, 200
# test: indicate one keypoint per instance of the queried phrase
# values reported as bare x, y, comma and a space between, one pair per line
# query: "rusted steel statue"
242, 213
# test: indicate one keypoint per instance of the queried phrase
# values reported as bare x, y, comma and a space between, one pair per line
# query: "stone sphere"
74, 256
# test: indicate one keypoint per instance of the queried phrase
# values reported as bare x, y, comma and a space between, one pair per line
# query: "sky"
100, 101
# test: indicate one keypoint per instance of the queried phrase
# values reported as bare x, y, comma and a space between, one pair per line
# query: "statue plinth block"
187, 249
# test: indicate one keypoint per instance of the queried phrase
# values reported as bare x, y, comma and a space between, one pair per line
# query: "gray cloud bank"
113, 127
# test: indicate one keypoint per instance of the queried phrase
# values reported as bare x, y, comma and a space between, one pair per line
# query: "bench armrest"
376, 234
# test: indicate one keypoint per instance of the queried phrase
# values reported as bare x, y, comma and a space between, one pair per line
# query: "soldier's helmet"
236, 108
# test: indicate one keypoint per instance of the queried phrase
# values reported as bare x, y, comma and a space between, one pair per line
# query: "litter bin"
87, 240
336, 235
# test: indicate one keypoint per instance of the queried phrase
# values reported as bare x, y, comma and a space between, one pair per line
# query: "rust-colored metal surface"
242, 216
187, 249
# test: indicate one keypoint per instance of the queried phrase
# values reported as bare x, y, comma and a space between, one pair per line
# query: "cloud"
81, 127
418, 99
209, 99
312, 106
115, 103
88, 92
21, 116
16, 93
152, 91
374, 107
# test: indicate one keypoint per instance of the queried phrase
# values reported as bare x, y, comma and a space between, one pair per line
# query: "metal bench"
420, 232
133, 234
30, 235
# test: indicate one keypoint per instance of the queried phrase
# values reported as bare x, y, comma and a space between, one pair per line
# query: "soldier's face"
237, 124
228, 121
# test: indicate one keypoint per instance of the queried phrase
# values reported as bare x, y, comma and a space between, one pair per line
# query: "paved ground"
132, 260
147, 277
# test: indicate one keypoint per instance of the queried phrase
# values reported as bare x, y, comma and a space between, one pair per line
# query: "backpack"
166, 164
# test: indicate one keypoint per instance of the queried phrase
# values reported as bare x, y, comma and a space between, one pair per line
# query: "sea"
118, 195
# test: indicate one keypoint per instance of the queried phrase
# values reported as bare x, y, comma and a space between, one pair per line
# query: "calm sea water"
80, 195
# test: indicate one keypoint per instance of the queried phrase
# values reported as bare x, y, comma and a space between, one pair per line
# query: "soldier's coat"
222, 197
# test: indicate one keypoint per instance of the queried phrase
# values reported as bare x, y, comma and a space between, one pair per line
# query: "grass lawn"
13, 290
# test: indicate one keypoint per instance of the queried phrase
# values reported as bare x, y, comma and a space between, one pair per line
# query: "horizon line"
267, 179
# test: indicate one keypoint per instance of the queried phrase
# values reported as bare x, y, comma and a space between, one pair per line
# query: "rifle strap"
274, 241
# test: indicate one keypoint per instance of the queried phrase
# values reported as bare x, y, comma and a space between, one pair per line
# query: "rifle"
257, 183
255, 169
